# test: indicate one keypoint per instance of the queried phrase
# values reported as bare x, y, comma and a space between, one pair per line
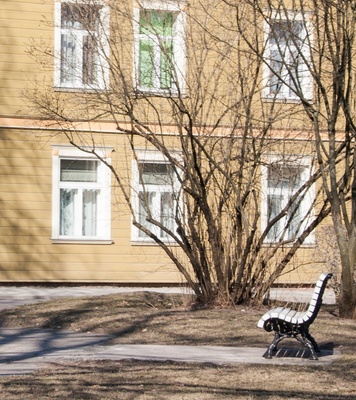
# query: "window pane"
167, 205
156, 173
90, 211
285, 40
70, 16
158, 23
166, 64
276, 64
146, 201
79, 170
67, 223
69, 59
283, 181
156, 49
80, 16
284, 176
79, 24
274, 206
278, 32
294, 219
285, 33
161, 206
146, 63
288, 224
89, 56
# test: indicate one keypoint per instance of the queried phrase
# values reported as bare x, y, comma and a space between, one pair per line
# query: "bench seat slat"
298, 318
290, 315
276, 312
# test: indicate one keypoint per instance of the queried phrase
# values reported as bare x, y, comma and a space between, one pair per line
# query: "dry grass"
169, 319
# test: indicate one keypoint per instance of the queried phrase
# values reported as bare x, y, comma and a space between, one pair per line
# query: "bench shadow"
326, 349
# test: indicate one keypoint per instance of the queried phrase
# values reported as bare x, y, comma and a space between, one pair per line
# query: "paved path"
12, 296
23, 351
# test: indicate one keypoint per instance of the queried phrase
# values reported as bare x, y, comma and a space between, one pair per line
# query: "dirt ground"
169, 319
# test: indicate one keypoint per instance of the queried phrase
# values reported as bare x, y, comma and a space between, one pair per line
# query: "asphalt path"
13, 296
23, 351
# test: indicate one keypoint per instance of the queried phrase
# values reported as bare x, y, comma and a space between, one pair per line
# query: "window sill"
283, 100
79, 89
81, 241
151, 243
277, 99
159, 92
310, 245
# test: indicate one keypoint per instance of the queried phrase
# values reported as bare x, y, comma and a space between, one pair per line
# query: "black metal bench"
288, 323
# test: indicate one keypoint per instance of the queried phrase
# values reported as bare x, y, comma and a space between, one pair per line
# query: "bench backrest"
317, 298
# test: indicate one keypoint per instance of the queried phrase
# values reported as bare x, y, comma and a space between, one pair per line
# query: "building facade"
64, 215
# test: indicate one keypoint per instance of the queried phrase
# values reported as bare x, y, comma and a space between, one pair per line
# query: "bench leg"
308, 344
312, 341
273, 346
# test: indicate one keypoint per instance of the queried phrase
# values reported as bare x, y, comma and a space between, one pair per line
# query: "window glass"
156, 23
283, 181
166, 64
146, 202
167, 212
287, 73
79, 170
156, 49
67, 211
78, 207
80, 63
90, 212
80, 16
284, 176
155, 173
286, 33
81, 195
156, 199
146, 63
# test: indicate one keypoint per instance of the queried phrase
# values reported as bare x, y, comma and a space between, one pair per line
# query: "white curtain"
67, 199
90, 205
167, 212
69, 59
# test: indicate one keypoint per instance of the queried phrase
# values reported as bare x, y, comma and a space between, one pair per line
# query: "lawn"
170, 319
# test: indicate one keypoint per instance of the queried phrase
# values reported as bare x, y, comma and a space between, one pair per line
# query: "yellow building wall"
26, 250
27, 253
20, 23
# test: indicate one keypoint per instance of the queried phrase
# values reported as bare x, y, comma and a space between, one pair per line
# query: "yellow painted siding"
20, 22
27, 252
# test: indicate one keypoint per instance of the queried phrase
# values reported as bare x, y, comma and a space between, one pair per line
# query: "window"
160, 47
155, 196
80, 41
281, 181
81, 196
287, 48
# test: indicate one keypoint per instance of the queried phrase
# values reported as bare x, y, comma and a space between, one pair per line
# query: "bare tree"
308, 51
192, 92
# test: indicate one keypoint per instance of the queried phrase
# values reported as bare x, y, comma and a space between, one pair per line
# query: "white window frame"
103, 185
148, 156
102, 73
285, 92
179, 45
308, 197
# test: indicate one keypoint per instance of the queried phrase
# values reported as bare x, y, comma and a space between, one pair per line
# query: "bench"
288, 323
